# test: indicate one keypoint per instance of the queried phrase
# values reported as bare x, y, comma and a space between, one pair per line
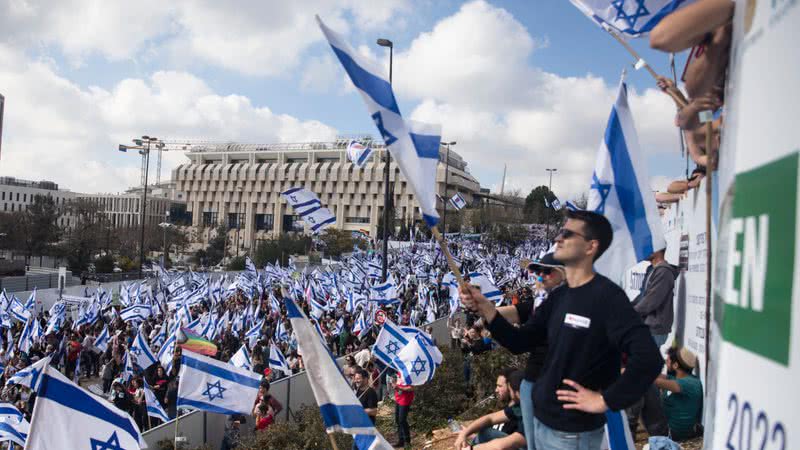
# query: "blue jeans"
488, 434
401, 419
550, 439
526, 404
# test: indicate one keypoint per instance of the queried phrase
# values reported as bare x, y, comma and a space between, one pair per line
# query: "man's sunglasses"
544, 271
566, 233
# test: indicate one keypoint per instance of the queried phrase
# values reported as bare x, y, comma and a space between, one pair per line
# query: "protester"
654, 303
682, 395
588, 324
366, 394
511, 435
403, 397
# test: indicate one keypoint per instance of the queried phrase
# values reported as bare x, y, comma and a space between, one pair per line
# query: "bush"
308, 432
268, 251
104, 264
236, 263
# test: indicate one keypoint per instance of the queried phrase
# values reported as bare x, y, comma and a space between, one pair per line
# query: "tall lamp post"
550, 189
239, 189
446, 181
145, 143
164, 225
384, 265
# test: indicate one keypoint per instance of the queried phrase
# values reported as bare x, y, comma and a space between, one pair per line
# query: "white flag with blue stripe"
415, 146
620, 191
384, 293
358, 153
154, 408
629, 18
10, 412
14, 430
30, 376
277, 361
102, 340
142, 355
215, 386
488, 289
617, 432
137, 312
86, 420
458, 201
394, 338
340, 409
242, 358
306, 204
417, 361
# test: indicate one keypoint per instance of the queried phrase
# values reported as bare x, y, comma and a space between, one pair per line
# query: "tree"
270, 250
536, 211
104, 264
215, 252
39, 225
392, 218
236, 263
339, 241
83, 240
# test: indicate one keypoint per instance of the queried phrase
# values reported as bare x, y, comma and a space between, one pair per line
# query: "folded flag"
242, 358
358, 153
277, 361
340, 409
154, 408
629, 18
92, 422
189, 340
30, 376
215, 386
458, 201
414, 146
140, 351
620, 191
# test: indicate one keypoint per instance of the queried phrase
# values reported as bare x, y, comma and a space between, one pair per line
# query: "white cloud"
56, 130
472, 73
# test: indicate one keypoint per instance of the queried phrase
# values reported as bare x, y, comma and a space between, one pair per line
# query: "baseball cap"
549, 260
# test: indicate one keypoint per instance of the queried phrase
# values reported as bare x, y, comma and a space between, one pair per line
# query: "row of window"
263, 222
24, 197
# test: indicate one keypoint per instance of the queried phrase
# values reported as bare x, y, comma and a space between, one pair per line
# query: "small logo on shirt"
576, 321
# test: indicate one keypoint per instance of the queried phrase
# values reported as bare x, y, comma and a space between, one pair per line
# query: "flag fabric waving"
417, 361
358, 153
458, 201
630, 18
215, 386
307, 205
620, 191
242, 358
30, 376
415, 146
142, 355
277, 361
154, 408
340, 409
92, 421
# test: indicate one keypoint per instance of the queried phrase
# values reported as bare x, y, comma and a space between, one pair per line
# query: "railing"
43, 281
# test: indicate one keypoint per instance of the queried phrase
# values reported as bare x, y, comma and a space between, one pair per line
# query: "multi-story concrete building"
17, 195
239, 186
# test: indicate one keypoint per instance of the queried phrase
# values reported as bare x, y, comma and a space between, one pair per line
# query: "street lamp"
384, 266
239, 189
164, 225
550, 190
145, 143
446, 180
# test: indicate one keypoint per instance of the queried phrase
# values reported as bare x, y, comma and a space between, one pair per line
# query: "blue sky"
165, 75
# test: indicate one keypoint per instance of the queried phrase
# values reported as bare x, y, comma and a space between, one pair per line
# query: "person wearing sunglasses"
588, 324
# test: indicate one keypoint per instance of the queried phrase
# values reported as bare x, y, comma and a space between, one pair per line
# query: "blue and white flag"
394, 338
154, 408
629, 18
415, 146
618, 433
102, 340
277, 361
556, 204
301, 199
242, 358
215, 386
10, 412
26, 337
30, 376
458, 201
318, 219
142, 355
488, 289
167, 351
620, 191
14, 431
417, 361
91, 422
18, 310
137, 312
340, 409
281, 335
571, 206
358, 153
384, 293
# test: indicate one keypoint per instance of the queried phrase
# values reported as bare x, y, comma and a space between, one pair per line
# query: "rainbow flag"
189, 340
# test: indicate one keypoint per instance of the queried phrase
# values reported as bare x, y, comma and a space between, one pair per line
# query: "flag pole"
710, 166
333, 442
677, 96
177, 417
452, 264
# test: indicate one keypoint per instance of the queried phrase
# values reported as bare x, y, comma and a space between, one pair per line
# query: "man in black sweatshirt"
588, 324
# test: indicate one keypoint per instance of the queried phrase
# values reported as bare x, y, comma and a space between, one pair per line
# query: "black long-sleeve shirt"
587, 329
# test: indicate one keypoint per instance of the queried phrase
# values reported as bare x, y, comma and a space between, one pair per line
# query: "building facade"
17, 195
164, 203
239, 186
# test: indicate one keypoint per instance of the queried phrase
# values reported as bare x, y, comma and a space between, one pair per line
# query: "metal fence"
43, 281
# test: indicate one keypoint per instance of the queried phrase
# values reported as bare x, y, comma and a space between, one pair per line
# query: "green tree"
236, 263
271, 250
84, 239
535, 210
215, 252
339, 241
104, 264
38, 224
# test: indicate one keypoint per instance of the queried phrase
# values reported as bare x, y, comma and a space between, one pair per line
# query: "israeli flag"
301, 199
167, 351
318, 219
358, 153
556, 204
415, 146
137, 312
92, 421
242, 358
458, 201
30, 376
417, 361
254, 333
617, 432
488, 288
10, 412
339, 327
340, 409
142, 355
101, 341
620, 191
15, 431
385, 293
210, 385
18, 311
277, 361
154, 408
571, 206
26, 337
629, 18
280, 332
394, 338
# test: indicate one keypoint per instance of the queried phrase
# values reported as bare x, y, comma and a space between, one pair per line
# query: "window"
17, 196
4, 195
24, 197
209, 218
356, 219
264, 222
234, 221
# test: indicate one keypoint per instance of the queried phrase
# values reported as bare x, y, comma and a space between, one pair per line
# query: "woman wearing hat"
682, 395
